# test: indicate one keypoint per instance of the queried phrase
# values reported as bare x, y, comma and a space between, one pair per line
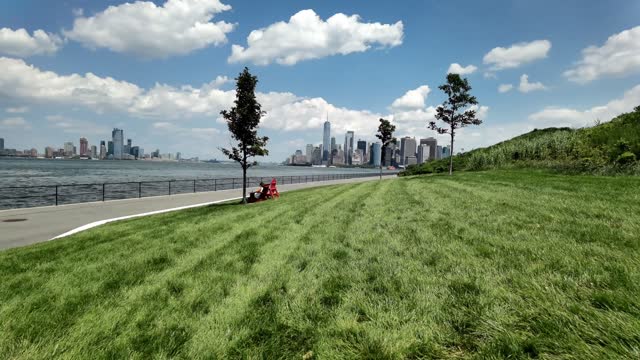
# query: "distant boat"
319, 166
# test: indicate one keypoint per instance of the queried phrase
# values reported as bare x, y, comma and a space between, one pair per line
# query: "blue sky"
153, 68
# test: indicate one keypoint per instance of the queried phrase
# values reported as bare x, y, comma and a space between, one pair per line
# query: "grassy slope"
482, 264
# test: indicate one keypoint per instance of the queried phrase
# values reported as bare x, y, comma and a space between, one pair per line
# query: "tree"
454, 111
385, 134
243, 120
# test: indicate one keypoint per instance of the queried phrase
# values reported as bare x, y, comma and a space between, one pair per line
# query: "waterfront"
29, 183
42, 172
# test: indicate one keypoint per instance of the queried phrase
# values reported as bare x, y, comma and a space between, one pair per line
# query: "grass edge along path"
488, 265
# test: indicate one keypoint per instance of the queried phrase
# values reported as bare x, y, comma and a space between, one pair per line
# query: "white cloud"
77, 12
500, 58
456, 68
412, 99
17, 110
558, 116
503, 88
26, 82
141, 28
176, 130
15, 122
526, 86
306, 36
619, 56
74, 126
20, 44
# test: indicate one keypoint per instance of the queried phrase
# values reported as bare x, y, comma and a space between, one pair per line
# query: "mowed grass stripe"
508, 264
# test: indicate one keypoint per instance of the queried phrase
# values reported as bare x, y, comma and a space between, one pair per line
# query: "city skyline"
82, 76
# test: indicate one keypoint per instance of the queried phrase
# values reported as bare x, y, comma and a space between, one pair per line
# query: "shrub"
626, 158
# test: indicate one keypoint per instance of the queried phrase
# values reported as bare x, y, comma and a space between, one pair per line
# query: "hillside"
527, 265
607, 148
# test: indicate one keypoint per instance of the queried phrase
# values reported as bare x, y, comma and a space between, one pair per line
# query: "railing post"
56, 195
103, 184
194, 185
215, 184
169, 187
233, 183
139, 189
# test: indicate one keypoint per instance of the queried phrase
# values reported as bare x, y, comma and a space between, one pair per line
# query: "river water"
37, 179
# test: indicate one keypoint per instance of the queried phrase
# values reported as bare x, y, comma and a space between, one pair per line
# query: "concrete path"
21, 227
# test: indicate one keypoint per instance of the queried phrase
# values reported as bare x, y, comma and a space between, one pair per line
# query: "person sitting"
260, 194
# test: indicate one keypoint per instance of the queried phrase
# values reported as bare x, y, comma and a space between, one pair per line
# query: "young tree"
243, 120
385, 134
454, 111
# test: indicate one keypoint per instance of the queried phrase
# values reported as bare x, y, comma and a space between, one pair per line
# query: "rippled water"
81, 180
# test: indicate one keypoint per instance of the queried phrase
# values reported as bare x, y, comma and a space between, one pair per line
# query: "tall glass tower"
348, 148
118, 143
326, 138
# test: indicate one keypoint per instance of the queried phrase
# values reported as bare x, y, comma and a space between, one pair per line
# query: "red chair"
273, 190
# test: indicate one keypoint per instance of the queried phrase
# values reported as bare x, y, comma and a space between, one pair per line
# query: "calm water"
18, 172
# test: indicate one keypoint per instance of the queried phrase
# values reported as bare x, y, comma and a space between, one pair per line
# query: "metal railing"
48, 195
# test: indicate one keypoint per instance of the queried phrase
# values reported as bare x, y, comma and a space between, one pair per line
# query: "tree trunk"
451, 155
244, 183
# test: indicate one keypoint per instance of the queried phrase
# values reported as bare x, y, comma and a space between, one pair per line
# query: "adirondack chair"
273, 190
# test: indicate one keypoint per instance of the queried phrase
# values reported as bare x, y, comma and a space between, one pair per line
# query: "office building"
309, 153
48, 152
407, 149
423, 153
433, 147
129, 145
333, 144
84, 147
117, 136
94, 152
439, 152
68, 149
348, 148
103, 150
316, 157
110, 149
376, 153
446, 152
326, 136
362, 146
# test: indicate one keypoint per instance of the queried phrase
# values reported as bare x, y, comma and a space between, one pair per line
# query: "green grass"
506, 264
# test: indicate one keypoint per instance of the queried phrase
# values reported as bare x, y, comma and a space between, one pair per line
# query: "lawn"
479, 265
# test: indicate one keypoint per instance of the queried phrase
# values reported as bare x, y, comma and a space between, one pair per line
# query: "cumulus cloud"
15, 122
306, 36
560, 116
73, 126
503, 88
619, 56
456, 68
20, 44
500, 58
526, 86
17, 110
144, 29
412, 99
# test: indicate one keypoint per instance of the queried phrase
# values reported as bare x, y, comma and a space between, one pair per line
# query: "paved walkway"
45, 223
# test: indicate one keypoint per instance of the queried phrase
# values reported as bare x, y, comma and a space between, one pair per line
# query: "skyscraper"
326, 140
84, 147
127, 148
309, 153
439, 152
423, 153
348, 148
333, 143
110, 149
362, 145
433, 147
446, 151
376, 153
407, 150
103, 150
68, 148
94, 152
118, 143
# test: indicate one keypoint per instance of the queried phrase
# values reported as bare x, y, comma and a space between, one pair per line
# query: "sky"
164, 70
